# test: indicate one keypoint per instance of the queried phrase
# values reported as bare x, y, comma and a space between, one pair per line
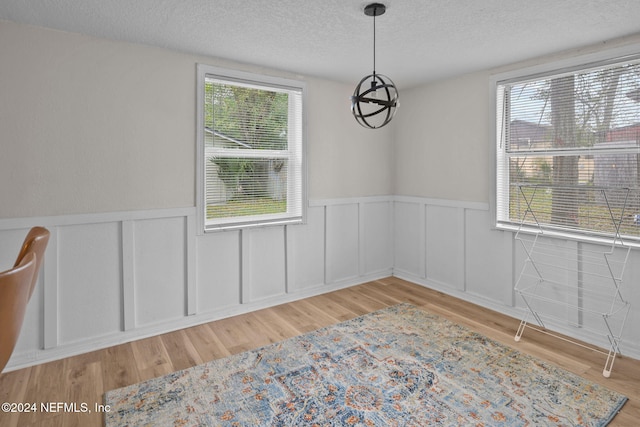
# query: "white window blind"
568, 147
252, 150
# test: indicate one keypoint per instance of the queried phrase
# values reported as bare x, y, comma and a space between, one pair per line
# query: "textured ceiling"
417, 40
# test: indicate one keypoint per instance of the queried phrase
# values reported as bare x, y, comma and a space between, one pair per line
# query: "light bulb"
374, 91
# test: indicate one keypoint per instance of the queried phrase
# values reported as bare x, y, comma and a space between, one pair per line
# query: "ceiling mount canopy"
375, 99
375, 9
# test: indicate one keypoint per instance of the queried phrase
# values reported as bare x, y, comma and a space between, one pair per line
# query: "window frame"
541, 70
231, 76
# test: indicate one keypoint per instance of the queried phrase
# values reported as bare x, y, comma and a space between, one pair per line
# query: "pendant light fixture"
375, 99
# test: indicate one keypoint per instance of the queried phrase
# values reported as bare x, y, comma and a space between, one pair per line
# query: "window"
250, 149
567, 151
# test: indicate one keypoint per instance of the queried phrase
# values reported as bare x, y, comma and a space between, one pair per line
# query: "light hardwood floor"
85, 378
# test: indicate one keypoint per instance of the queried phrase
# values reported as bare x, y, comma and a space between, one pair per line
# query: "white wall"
444, 233
345, 159
98, 144
441, 148
89, 125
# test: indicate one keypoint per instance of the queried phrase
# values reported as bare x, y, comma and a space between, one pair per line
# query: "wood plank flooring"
85, 378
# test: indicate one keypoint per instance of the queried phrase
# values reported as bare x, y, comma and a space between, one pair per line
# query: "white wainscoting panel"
50, 287
409, 238
445, 234
263, 263
110, 278
160, 270
89, 282
376, 237
489, 259
306, 252
218, 271
450, 246
342, 240
631, 280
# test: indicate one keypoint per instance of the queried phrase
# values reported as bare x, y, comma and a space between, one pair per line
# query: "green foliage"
229, 171
258, 118
253, 119
243, 177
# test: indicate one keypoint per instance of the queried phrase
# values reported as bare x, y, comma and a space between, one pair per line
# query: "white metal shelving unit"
579, 286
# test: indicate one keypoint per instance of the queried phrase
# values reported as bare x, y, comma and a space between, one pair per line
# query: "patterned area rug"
399, 366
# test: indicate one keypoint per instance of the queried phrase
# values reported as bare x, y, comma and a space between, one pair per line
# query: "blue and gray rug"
399, 366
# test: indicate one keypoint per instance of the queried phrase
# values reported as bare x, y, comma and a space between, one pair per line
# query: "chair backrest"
14, 296
35, 241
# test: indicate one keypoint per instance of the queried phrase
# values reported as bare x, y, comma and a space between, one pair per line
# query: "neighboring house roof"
624, 133
522, 130
532, 134
527, 135
226, 137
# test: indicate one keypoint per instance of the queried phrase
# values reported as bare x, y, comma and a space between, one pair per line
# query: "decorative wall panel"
113, 277
109, 278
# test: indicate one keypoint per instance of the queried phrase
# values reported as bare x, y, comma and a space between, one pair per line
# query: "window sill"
567, 235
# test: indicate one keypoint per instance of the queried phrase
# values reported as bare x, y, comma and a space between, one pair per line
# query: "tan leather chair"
15, 285
36, 242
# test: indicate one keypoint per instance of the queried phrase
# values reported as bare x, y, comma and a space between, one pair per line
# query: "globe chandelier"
375, 99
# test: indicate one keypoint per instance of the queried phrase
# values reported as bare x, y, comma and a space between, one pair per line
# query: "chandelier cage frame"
377, 83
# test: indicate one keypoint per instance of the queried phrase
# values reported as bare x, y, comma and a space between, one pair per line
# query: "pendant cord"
374, 40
